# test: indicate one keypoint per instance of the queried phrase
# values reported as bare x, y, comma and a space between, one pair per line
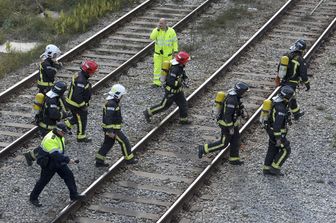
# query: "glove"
231, 131
278, 142
307, 86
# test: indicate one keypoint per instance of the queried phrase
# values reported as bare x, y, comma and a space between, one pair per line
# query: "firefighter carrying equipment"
166, 44
112, 123
173, 93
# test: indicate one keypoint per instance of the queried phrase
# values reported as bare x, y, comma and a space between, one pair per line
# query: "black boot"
77, 197
275, 172
132, 161
35, 202
200, 151
298, 115
147, 116
85, 140
236, 162
29, 158
101, 163
185, 122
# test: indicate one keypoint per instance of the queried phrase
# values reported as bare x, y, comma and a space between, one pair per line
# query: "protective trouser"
168, 100
158, 60
109, 142
276, 156
47, 173
225, 139
79, 117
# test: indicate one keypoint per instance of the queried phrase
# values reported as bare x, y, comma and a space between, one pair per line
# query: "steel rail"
189, 191
98, 84
97, 183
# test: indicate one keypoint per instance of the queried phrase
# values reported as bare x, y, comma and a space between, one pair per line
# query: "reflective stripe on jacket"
48, 71
165, 41
53, 143
297, 69
112, 119
80, 91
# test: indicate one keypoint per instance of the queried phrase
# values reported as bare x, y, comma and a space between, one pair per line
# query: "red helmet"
89, 67
182, 57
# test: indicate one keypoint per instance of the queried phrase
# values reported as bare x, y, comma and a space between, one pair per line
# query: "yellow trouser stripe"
221, 122
98, 156
234, 158
295, 109
80, 127
277, 164
46, 84
158, 108
123, 147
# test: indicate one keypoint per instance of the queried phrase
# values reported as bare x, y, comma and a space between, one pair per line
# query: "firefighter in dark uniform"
79, 97
53, 111
174, 82
52, 160
112, 122
276, 127
48, 68
231, 110
296, 73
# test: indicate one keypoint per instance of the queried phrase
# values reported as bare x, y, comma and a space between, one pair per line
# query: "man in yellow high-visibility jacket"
165, 45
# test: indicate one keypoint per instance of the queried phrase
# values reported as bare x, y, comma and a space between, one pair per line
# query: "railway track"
114, 48
201, 125
169, 168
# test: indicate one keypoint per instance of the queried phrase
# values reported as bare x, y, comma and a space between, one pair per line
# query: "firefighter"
79, 97
53, 110
166, 44
296, 72
48, 68
276, 127
52, 160
112, 123
231, 110
174, 82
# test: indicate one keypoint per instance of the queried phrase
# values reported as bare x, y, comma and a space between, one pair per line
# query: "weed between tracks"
31, 20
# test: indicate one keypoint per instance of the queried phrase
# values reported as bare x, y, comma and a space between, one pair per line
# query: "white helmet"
51, 51
116, 92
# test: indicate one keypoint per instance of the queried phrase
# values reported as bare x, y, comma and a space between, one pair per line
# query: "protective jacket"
175, 78
296, 70
112, 119
231, 110
48, 70
165, 41
278, 119
80, 91
52, 146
